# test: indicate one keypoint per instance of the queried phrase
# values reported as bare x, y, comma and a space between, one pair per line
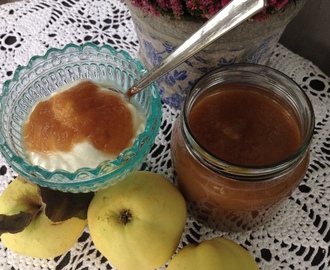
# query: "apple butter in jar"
240, 145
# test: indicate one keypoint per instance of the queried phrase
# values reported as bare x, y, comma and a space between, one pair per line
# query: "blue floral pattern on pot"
175, 85
251, 42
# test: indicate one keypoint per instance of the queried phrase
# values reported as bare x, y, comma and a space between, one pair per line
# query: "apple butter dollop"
82, 112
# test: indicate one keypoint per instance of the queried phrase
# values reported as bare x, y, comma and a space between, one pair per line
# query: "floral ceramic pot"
250, 42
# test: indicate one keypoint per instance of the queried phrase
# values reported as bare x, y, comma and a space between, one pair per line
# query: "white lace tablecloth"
297, 238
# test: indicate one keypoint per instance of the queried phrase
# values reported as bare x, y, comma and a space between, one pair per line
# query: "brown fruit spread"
83, 112
245, 127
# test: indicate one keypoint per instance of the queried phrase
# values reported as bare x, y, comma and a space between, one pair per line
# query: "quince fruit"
26, 229
215, 254
138, 222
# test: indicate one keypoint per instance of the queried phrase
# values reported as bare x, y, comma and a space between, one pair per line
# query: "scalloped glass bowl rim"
100, 181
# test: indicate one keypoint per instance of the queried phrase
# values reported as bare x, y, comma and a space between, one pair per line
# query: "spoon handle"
226, 19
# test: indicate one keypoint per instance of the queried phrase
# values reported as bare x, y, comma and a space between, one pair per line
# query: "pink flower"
200, 9
280, 4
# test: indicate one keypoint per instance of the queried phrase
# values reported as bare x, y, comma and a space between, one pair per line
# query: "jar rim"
244, 172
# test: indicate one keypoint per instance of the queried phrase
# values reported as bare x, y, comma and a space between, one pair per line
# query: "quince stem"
125, 216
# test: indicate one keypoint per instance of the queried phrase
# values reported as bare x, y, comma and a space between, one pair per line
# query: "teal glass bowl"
40, 78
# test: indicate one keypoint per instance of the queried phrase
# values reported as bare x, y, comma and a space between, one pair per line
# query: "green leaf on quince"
14, 223
61, 206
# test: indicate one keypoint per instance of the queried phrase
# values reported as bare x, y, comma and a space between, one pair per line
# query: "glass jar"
224, 194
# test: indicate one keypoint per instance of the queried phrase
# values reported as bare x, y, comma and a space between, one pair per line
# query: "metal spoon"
234, 13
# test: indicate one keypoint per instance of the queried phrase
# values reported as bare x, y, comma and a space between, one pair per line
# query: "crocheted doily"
298, 236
